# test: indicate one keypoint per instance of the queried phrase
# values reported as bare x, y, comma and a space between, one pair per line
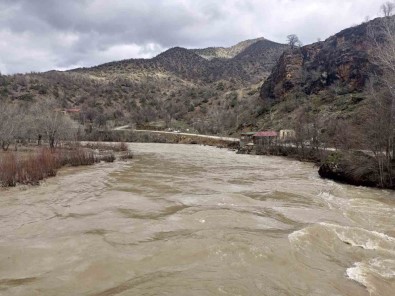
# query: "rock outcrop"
342, 61
352, 167
226, 52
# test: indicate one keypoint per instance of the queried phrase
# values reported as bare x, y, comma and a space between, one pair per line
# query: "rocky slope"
245, 62
343, 60
225, 52
331, 75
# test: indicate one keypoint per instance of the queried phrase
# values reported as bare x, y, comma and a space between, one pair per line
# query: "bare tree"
340, 134
6, 126
303, 133
11, 124
379, 134
54, 124
293, 41
380, 111
387, 8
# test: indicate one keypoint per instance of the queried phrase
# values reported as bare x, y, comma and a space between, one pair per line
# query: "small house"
246, 139
287, 135
265, 138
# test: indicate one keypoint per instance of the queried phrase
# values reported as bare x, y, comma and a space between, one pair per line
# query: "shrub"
37, 166
8, 170
107, 158
128, 155
123, 147
78, 157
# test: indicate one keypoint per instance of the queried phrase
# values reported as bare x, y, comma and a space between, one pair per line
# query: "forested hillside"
180, 87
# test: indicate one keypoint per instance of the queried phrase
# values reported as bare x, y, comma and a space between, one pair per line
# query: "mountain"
225, 52
256, 84
251, 60
210, 90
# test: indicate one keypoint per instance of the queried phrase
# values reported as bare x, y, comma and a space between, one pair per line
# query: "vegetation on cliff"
338, 93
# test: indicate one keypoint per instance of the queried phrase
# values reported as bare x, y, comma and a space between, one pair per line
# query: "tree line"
41, 121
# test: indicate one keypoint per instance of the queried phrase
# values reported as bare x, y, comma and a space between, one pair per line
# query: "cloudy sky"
40, 35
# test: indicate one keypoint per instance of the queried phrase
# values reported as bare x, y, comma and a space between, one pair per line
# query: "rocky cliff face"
341, 61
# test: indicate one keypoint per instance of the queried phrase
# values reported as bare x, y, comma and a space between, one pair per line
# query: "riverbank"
353, 167
131, 136
348, 167
357, 168
340, 166
32, 164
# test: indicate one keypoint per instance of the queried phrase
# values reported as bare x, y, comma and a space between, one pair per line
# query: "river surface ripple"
194, 220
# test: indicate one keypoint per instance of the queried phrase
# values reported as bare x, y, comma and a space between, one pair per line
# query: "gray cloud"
39, 35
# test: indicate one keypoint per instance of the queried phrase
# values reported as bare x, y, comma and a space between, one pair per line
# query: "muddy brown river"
194, 220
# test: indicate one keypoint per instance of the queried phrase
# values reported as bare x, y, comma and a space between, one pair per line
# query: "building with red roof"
265, 138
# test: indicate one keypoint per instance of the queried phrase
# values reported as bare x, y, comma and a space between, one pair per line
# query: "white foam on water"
372, 207
297, 235
359, 273
363, 238
354, 236
368, 272
384, 268
334, 202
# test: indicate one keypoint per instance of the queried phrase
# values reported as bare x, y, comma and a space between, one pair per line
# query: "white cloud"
22, 53
56, 34
125, 51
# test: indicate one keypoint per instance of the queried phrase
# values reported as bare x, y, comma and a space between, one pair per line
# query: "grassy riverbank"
31, 165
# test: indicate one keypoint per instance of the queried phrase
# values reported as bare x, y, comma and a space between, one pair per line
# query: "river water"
194, 220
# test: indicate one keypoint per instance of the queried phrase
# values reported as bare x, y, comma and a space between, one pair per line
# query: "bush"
128, 155
78, 157
8, 170
38, 166
107, 158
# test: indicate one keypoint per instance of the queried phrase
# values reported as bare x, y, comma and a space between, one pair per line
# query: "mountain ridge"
189, 64
261, 85
178, 87
225, 52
